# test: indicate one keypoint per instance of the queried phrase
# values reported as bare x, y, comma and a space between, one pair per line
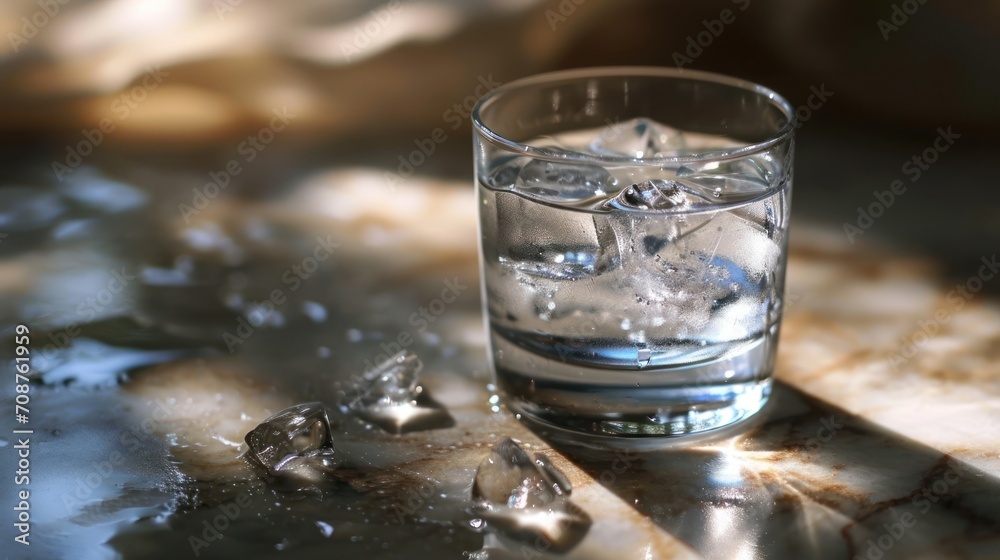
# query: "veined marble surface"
869, 447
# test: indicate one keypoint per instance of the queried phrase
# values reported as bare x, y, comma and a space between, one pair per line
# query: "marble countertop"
879, 441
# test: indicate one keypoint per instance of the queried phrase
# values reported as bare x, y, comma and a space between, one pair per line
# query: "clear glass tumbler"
633, 234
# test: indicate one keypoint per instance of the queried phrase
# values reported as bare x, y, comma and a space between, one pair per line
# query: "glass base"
649, 420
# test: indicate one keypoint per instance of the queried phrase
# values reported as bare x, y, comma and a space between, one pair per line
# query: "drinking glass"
633, 236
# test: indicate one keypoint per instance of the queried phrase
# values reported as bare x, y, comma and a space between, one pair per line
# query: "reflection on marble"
896, 342
809, 480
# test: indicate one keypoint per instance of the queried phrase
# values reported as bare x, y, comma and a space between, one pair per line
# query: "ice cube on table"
394, 383
526, 498
296, 443
511, 477
639, 138
391, 397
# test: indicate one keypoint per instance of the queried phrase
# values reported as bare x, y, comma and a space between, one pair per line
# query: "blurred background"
180, 85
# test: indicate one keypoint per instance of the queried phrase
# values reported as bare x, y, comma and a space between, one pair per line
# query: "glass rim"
783, 134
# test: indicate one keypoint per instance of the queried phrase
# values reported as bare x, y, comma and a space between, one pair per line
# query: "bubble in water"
295, 444
526, 498
391, 397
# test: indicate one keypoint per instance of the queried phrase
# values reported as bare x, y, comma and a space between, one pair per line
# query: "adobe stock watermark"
99, 471
87, 310
613, 130
416, 498
900, 15
224, 7
260, 312
454, 116
828, 429
122, 108
956, 298
912, 168
249, 149
33, 23
213, 528
896, 530
420, 320
623, 461
563, 12
818, 96
376, 21
697, 43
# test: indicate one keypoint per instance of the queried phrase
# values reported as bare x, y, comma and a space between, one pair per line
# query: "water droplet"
325, 528
314, 311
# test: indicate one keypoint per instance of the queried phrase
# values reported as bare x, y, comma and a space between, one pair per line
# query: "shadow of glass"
807, 480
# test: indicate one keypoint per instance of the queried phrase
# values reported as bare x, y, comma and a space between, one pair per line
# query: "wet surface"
167, 322
202, 329
198, 330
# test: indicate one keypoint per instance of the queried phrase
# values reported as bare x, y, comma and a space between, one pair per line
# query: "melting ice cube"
391, 397
295, 443
563, 182
394, 383
658, 194
526, 498
544, 241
